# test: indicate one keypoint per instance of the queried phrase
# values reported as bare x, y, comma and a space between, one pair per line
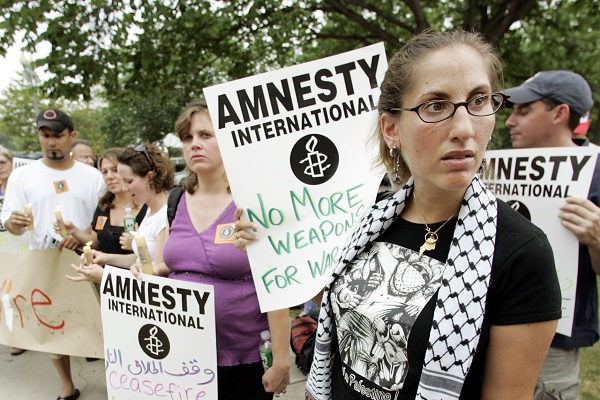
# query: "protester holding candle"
53, 180
198, 249
106, 231
147, 175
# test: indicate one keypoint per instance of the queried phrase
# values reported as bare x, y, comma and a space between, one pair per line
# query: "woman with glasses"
147, 176
444, 291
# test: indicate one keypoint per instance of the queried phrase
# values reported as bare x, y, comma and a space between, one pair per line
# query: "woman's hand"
86, 273
69, 226
244, 231
276, 379
125, 241
100, 258
136, 269
69, 242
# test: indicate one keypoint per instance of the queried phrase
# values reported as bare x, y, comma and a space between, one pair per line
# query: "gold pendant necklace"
430, 237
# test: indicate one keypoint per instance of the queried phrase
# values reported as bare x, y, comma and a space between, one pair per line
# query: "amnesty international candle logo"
154, 341
224, 233
100, 222
61, 186
314, 159
520, 207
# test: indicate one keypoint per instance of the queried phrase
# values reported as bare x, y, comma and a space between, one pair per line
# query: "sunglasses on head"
142, 149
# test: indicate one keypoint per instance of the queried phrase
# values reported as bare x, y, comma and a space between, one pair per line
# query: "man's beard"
55, 155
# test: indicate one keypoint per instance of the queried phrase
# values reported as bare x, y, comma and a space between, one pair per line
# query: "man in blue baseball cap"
547, 109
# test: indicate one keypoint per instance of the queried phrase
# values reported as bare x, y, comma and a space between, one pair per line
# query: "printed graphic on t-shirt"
224, 233
376, 302
61, 186
100, 222
50, 241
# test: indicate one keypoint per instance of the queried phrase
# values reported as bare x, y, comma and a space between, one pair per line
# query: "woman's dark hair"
105, 202
146, 157
405, 64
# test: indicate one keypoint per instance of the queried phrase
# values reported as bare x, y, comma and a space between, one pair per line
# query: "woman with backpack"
199, 248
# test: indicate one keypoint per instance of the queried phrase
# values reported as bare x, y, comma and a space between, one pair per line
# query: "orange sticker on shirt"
100, 222
61, 186
224, 233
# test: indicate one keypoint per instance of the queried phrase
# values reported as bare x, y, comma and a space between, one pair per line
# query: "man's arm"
582, 217
17, 223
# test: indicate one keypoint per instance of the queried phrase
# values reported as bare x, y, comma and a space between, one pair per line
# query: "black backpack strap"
172, 202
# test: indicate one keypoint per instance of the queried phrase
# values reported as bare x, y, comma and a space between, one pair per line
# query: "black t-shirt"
108, 234
523, 289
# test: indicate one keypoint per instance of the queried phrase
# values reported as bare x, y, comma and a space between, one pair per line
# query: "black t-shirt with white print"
384, 303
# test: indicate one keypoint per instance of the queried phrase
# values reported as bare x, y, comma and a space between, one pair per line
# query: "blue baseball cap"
563, 87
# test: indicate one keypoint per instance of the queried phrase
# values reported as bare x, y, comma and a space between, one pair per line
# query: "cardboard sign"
160, 338
295, 144
535, 182
44, 311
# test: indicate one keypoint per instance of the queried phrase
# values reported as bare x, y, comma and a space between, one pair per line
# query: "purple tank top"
195, 257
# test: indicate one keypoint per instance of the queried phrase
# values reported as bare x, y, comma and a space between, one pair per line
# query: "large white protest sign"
535, 182
41, 310
295, 147
159, 337
19, 162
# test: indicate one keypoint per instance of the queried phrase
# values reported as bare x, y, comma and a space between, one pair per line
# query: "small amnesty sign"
295, 144
159, 337
535, 182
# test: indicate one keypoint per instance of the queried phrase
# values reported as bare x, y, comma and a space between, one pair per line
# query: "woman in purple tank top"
199, 248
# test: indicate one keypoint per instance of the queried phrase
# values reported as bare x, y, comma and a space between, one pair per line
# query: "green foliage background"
145, 59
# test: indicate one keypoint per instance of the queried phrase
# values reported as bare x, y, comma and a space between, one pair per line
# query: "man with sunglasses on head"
547, 109
54, 180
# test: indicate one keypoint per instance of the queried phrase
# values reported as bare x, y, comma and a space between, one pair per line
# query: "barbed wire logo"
314, 159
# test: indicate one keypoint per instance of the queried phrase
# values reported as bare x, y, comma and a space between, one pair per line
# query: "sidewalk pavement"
31, 376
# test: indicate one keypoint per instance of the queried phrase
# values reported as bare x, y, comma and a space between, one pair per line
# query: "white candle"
144, 255
29, 212
60, 222
87, 251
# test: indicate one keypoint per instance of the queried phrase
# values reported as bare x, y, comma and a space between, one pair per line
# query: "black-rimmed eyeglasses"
142, 149
440, 110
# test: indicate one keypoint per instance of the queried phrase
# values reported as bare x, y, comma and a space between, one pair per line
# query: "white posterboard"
295, 147
159, 337
298, 160
535, 182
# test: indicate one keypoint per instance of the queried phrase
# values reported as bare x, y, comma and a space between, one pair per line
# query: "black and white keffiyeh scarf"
460, 305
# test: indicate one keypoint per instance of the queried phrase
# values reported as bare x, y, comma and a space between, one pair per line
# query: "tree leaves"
151, 57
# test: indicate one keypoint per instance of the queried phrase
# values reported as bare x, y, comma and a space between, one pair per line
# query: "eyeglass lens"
480, 106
